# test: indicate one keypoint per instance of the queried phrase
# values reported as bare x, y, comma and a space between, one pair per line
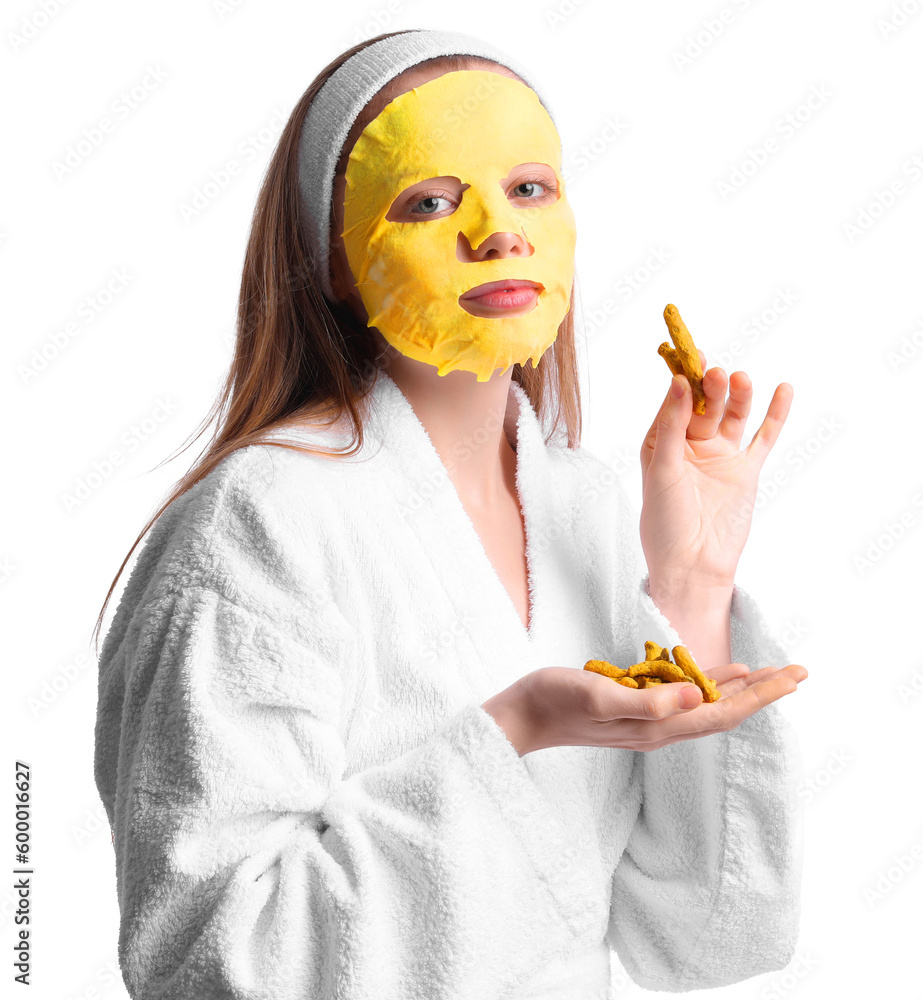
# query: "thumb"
658, 702
688, 696
670, 444
675, 697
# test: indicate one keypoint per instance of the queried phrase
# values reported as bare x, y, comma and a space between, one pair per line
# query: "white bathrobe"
308, 800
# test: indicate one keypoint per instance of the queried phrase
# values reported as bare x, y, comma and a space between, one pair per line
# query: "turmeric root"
657, 668
607, 669
654, 652
684, 359
683, 657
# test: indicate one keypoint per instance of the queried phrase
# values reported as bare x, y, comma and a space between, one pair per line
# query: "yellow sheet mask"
476, 126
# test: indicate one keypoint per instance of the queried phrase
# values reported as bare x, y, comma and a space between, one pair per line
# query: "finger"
647, 445
745, 703
716, 716
670, 445
769, 429
740, 395
794, 671
651, 703
727, 671
705, 425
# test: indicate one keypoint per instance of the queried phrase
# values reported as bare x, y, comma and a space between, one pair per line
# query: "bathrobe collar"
428, 500
389, 404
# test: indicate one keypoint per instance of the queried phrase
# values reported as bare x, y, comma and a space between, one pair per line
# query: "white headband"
345, 94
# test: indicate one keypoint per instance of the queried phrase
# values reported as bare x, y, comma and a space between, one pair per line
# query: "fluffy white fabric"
308, 800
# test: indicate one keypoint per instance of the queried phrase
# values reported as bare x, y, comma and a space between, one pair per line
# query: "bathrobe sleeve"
249, 864
707, 891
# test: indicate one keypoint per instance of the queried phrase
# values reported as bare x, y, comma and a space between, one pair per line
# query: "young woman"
344, 738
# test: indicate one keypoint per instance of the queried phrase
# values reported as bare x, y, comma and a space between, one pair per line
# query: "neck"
464, 420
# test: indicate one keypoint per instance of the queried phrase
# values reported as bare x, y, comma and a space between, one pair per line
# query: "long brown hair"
299, 357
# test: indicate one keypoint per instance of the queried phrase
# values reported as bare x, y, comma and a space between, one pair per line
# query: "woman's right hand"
561, 706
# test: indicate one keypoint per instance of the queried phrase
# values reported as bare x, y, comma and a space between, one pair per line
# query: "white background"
668, 102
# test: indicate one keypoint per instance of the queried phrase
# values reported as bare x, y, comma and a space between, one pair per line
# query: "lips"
507, 285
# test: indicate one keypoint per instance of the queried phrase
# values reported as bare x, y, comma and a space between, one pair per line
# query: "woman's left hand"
699, 487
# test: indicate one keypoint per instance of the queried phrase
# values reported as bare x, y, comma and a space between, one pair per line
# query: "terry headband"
338, 103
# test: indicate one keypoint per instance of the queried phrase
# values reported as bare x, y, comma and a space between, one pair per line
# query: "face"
454, 185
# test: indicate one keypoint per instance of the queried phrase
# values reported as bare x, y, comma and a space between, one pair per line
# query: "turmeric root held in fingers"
684, 359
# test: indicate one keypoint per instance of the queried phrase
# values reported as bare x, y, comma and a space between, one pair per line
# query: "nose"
496, 247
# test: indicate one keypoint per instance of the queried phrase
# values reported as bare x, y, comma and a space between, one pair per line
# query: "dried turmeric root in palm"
684, 659
606, 669
654, 652
657, 668
663, 669
684, 359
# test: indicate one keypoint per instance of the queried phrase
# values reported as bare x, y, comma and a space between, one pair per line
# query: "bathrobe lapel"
430, 505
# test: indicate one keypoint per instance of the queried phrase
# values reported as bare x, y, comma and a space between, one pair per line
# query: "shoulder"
251, 530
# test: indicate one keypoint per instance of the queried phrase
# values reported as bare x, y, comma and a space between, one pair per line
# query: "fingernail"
678, 388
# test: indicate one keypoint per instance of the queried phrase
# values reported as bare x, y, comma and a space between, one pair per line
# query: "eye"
530, 189
426, 200
531, 183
